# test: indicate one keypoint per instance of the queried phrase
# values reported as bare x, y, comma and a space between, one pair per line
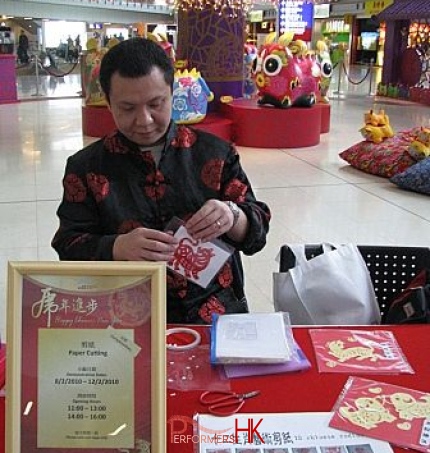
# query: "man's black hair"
134, 58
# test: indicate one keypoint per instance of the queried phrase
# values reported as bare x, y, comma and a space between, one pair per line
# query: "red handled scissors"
225, 403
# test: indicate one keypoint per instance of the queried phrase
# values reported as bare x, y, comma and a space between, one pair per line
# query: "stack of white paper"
250, 338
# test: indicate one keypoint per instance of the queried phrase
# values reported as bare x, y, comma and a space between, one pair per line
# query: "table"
308, 391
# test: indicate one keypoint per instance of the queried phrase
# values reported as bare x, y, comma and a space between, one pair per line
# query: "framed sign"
85, 357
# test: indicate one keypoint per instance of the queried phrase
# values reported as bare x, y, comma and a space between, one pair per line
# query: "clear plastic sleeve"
384, 411
358, 351
251, 338
188, 365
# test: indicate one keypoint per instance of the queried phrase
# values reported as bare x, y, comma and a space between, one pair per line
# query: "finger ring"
218, 223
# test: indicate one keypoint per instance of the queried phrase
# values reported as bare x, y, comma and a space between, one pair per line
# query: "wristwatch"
235, 210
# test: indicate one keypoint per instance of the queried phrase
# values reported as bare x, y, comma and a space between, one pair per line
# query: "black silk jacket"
111, 187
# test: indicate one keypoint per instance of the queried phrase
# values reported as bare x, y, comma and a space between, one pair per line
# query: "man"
70, 50
121, 192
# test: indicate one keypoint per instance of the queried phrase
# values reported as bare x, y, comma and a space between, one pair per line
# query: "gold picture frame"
86, 364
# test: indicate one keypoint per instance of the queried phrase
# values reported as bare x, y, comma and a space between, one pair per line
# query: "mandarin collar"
128, 146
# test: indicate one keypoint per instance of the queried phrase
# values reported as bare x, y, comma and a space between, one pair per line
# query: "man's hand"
144, 244
214, 219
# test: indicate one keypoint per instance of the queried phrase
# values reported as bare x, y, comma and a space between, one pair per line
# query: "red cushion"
383, 159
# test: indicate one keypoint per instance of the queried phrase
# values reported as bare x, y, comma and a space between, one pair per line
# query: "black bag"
412, 305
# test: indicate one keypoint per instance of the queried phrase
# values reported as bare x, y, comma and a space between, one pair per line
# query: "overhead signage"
321, 11
95, 26
255, 16
296, 16
373, 7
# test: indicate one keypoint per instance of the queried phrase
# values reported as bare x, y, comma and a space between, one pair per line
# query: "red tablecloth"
308, 391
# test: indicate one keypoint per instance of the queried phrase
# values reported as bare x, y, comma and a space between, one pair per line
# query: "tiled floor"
314, 195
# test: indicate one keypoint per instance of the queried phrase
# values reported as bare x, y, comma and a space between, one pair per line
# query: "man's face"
141, 107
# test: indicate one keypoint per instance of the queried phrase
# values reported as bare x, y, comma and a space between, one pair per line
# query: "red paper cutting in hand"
191, 258
197, 261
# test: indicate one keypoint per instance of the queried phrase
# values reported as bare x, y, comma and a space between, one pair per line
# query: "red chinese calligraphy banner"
85, 357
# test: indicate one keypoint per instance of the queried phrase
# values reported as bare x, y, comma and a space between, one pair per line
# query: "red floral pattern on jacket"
74, 188
185, 138
99, 186
211, 173
236, 191
115, 145
225, 276
213, 305
147, 157
155, 185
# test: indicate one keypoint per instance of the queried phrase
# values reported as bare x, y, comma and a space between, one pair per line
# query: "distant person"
78, 47
70, 49
23, 45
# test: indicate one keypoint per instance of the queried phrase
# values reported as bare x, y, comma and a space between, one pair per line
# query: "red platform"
269, 127
217, 125
242, 121
98, 121
325, 117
